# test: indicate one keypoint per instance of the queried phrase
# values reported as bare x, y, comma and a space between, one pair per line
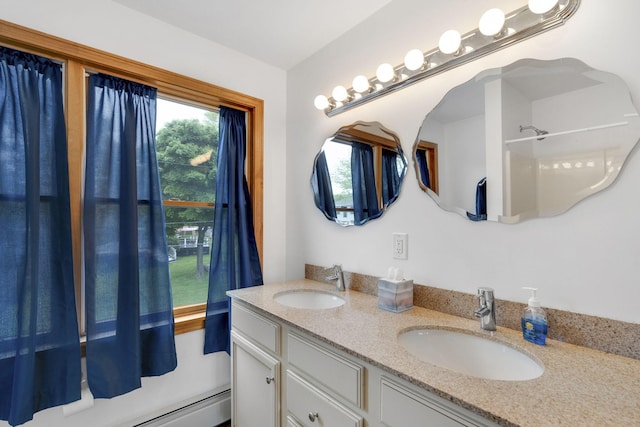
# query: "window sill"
189, 318
190, 321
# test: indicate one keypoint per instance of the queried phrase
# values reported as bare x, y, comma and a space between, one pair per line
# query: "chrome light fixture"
496, 30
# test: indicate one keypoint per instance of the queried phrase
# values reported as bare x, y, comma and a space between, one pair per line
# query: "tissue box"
395, 295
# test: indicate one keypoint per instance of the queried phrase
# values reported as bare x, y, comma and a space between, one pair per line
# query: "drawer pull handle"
270, 379
313, 416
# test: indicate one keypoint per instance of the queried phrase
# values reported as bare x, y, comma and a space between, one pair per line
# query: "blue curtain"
234, 253
365, 198
423, 166
39, 343
321, 185
481, 202
391, 178
130, 331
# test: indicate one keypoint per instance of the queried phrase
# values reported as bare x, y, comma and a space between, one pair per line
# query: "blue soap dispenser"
534, 320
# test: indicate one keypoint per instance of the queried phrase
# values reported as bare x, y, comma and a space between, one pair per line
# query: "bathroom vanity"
344, 366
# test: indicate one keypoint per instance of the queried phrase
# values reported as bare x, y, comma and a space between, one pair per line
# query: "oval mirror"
525, 141
358, 173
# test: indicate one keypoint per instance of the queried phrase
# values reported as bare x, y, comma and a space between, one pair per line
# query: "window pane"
187, 142
189, 238
339, 164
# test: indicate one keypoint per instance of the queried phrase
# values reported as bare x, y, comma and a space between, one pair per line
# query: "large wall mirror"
358, 173
527, 140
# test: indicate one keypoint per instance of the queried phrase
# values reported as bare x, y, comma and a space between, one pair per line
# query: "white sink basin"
470, 354
310, 299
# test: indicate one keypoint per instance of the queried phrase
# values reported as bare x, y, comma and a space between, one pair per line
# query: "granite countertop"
579, 386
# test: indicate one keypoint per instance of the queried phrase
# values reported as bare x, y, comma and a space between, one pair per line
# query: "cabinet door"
255, 388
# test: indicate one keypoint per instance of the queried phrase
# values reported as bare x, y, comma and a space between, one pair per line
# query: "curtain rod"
567, 132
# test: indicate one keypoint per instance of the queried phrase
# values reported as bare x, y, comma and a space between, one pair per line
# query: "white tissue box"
395, 295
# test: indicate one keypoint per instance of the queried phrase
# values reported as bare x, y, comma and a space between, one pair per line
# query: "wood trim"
170, 82
371, 139
78, 59
187, 204
255, 154
75, 96
431, 150
189, 318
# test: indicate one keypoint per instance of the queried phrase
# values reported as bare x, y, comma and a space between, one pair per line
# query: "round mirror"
527, 140
358, 173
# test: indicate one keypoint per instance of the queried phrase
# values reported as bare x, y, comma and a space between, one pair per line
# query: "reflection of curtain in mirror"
321, 183
365, 199
421, 158
481, 202
390, 177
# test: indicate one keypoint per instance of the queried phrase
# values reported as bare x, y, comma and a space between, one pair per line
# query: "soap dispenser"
534, 320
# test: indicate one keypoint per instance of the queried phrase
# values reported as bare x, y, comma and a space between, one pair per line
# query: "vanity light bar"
453, 50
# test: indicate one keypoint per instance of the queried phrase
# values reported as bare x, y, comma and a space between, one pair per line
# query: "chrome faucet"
486, 310
338, 276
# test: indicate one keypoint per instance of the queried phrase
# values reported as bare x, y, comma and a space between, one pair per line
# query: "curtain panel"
391, 178
130, 329
322, 189
365, 196
39, 343
234, 254
423, 166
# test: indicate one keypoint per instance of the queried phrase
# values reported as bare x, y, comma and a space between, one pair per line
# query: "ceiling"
281, 33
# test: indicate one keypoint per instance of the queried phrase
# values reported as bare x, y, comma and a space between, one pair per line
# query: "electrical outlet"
399, 246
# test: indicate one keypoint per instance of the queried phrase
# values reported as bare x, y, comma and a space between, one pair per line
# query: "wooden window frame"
431, 150
77, 60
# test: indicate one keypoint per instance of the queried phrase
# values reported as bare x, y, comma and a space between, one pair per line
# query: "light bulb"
360, 84
450, 42
385, 73
340, 93
540, 7
491, 22
414, 59
321, 102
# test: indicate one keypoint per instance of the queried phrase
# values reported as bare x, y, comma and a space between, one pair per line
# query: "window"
186, 144
79, 60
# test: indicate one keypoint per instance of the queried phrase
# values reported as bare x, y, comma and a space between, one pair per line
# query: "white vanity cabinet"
311, 383
255, 370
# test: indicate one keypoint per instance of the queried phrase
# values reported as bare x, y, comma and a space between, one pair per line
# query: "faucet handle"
485, 292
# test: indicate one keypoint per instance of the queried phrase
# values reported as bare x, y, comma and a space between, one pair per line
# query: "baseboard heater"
208, 412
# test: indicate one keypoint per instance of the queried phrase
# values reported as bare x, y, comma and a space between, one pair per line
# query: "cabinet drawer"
340, 375
311, 407
259, 329
292, 422
402, 407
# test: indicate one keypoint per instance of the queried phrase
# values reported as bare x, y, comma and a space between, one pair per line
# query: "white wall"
585, 260
114, 28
